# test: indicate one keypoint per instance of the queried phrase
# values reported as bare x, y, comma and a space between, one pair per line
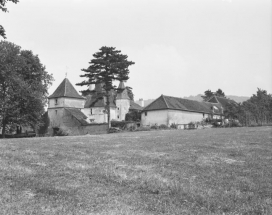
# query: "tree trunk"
3, 127
108, 109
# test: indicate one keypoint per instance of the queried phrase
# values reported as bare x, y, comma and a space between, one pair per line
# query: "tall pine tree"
107, 66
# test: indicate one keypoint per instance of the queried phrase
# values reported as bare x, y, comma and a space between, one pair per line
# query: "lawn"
210, 171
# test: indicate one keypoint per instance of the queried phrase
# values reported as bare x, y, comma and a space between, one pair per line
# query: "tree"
23, 86
207, 95
4, 9
130, 93
220, 93
108, 65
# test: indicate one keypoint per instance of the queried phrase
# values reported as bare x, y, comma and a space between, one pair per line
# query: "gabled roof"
135, 106
221, 100
78, 115
66, 89
174, 103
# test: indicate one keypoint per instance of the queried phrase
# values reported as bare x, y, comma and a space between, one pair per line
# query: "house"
221, 101
69, 111
168, 110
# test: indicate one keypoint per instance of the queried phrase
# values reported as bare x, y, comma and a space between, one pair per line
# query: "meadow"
209, 171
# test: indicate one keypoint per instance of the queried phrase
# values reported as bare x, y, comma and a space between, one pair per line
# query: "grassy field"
211, 171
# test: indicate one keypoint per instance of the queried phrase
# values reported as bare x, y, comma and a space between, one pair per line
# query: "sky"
180, 47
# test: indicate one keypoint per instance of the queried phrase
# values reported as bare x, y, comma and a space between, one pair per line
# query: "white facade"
122, 106
167, 117
98, 115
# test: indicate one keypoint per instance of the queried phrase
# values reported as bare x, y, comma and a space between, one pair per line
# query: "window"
56, 111
145, 113
56, 101
91, 111
118, 116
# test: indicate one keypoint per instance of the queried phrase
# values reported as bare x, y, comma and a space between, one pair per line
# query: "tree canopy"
23, 86
255, 111
208, 94
108, 65
4, 9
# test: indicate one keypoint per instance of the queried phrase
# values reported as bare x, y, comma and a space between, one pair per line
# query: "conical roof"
123, 94
66, 89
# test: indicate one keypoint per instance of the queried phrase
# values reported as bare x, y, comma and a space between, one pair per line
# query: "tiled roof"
174, 103
135, 106
66, 89
78, 115
221, 100
98, 101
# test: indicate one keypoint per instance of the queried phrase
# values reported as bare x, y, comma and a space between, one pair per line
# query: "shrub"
114, 130
155, 127
174, 126
163, 126
61, 132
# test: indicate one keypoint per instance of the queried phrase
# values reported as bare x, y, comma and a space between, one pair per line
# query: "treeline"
255, 111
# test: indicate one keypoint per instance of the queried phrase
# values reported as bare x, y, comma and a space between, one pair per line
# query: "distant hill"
235, 98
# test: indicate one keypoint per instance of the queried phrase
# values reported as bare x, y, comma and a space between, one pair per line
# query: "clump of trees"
255, 111
108, 65
208, 94
24, 84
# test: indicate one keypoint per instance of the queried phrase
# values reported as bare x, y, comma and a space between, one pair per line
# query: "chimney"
141, 101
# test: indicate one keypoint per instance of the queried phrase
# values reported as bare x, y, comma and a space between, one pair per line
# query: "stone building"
69, 111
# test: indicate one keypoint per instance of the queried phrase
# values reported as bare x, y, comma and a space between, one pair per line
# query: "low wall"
95, 128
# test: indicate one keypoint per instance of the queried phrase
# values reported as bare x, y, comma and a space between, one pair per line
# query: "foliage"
108, 65
163, 126
118, 124
61, 132
23, 86
43, 129
256, 110
4, 9
133, 116
208, 94
174, 126
154, 127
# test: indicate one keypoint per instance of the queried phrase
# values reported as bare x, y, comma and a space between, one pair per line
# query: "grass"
210, 171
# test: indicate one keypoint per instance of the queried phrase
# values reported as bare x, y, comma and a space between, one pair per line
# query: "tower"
64, 97
122, 102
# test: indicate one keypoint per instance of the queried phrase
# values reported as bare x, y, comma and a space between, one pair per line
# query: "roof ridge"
151, 103
65, 85
165, 101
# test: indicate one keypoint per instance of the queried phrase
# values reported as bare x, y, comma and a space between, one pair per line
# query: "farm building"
222, 101
172, 110
76, 114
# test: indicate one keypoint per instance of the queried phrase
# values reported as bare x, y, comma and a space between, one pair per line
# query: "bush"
163, 126
174, 126
114, 130
61, 132
155, 127
118, 124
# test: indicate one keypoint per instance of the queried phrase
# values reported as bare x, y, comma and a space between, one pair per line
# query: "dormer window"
56, 101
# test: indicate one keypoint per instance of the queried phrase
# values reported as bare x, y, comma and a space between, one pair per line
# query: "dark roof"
66, 89
221, 100
122, 91
78, 115
98, 101
135, 106
174, 103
